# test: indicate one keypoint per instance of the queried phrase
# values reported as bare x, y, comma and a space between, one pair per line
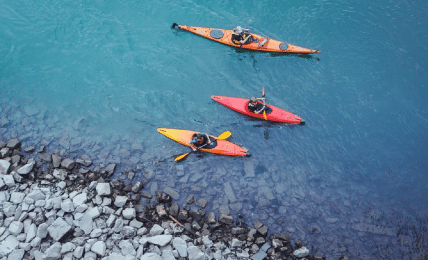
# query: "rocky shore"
57, 208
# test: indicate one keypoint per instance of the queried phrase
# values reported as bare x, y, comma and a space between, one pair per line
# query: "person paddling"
255, 106
199, 140
241, 36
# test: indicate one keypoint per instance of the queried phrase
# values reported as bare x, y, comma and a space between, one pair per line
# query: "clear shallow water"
98, 78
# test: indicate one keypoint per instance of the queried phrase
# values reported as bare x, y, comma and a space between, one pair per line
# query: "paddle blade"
263, 92
224, 135
264, 115
181, 157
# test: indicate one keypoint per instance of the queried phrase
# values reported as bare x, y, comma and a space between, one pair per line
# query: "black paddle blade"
174, 25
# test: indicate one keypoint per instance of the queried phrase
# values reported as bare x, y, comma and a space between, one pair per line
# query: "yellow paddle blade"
263, 92
264, 115
181, 157
224, 135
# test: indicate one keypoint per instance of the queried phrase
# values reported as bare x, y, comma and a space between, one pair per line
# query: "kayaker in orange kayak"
199, 140
255, 106
241, 36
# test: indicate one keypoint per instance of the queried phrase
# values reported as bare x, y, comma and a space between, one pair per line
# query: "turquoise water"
98, 78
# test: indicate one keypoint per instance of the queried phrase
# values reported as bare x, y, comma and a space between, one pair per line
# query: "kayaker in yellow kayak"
241, 36
199, 140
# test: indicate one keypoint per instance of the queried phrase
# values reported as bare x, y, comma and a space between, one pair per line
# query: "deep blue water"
98, 78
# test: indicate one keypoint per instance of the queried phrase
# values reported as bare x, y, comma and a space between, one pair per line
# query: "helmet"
238, 29
253, 99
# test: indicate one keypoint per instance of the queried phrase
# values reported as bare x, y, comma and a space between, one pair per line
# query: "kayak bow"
241, 105
223, 147
260, 43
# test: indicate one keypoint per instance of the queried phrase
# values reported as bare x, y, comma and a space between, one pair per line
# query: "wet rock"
322, 257
137, 187
146, 195
190, 199
173, 210
263, 230
68, 164
13, 144
225, 219
301, 252
285, 236
202, 202
171, 192
229, 192
56, 160
110, 169
162, 197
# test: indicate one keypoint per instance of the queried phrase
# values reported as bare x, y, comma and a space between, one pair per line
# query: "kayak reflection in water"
241, 36
255, 106
199, 140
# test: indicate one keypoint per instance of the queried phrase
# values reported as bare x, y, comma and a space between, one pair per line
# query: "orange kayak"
260, 43
219, 146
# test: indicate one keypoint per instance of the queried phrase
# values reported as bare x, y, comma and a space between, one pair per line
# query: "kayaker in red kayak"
255, 106
199, 140
241, 36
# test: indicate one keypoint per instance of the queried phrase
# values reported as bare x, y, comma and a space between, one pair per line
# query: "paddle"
222, 136
264, 102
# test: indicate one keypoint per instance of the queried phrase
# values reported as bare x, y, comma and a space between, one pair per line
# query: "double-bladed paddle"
222, 136
264, 102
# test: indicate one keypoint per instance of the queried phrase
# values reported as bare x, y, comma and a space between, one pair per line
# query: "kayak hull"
184, 137
241, 105
261, 43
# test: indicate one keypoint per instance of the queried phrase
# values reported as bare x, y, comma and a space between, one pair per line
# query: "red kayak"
274, 114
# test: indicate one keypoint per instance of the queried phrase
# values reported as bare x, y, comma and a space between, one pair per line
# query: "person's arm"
246, 39
260, 110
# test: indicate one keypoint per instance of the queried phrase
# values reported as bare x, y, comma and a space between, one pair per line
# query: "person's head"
238, 29
253, 100
199, 136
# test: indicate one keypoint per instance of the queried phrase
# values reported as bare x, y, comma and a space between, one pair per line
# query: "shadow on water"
274, 54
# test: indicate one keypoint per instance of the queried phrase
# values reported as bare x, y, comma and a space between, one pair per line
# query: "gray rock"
190, 199
180, 245
56, 160
151, 256
13, 143
236, 243
110, 169
195, 253
67, 247
67, 205
16, 254
8, 180
78, 252
53, 252
160, 240
137, 187
26, 169
135, 223
99, 248
249, 169
60, 174
42, 230
8, 245
86, 223
103, 189
202, 202
17, 197
120, 201
156, 230
127, 248
16, 227
58, 229
225, 219
96, 233
68, 164
301, 252
80, 199
31, 233
171, 192
36, 195
229, 192
118, 225
129, 213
